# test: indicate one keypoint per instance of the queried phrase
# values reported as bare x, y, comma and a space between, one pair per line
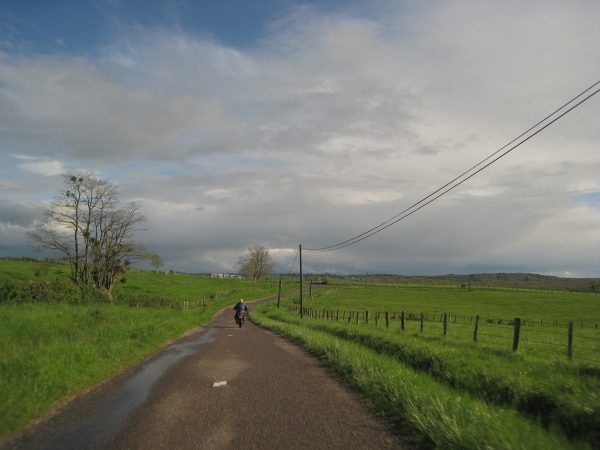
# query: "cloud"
45, 168
23, 214
329, 125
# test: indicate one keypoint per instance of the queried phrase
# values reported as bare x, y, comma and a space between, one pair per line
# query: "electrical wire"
398, 217
294, 263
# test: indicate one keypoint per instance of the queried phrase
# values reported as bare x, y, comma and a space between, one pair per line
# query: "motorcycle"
240, 317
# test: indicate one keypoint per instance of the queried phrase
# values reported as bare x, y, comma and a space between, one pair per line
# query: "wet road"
275, 396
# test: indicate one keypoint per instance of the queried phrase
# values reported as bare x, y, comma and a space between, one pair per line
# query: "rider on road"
240, 307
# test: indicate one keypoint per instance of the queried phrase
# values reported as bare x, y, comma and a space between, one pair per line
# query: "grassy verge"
52, 349
449, 396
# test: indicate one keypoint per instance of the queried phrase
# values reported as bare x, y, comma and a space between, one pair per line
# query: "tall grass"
550, 392
436, 414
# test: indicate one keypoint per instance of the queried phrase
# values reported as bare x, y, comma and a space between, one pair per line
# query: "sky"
283, 123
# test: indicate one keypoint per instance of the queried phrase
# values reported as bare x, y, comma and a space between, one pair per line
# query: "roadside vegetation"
449, 391
58, 339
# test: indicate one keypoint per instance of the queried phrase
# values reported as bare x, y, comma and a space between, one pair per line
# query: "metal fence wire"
478, 329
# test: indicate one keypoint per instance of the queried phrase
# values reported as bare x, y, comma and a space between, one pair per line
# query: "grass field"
50, 351
548, 306
445, 390
534, 386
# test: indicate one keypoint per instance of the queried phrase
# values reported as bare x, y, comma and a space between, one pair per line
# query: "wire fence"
573, 342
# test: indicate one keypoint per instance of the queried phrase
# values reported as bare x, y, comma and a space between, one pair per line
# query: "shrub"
66, 291
10, 291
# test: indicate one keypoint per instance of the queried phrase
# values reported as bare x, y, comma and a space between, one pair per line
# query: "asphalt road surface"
275, 396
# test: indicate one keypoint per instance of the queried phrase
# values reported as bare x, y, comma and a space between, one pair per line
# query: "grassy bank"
434, 413
52, 349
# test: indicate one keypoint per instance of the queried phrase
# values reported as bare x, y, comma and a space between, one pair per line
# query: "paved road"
276, 396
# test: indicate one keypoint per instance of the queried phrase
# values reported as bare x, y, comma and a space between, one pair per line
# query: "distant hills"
505, 277
505, 280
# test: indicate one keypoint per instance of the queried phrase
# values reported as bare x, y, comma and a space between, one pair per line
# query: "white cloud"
328, 126
45, 168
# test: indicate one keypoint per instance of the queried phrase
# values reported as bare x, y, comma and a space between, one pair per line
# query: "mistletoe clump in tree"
87, 228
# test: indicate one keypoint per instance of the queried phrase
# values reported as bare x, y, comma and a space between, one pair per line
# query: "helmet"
241, 300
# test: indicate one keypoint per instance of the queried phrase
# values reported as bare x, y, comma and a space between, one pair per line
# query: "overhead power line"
455, 182
294, 263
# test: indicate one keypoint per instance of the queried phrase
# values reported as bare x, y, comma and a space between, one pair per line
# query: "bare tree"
86, 228
256, 263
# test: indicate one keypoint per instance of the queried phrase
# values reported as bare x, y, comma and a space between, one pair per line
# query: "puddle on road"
94, 432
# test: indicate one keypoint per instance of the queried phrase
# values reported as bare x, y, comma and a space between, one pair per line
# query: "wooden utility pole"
279, 292
301, 302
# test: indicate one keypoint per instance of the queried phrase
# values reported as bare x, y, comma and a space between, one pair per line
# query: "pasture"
537, 384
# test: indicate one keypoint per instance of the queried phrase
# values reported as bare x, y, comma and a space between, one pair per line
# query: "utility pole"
279, 292
301, 302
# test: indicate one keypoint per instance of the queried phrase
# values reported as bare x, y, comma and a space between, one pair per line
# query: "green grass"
433, 412
547, 306
181, 287
50, 351
538, 383
448, 391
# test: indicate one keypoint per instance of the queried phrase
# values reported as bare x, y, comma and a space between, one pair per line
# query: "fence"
204, 301
550, 338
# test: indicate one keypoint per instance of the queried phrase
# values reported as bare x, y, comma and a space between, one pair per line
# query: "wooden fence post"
366, 317
516, 335
570, 342
421, 323
387, 319
445, 324
357, 317
402, 320
476, 326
